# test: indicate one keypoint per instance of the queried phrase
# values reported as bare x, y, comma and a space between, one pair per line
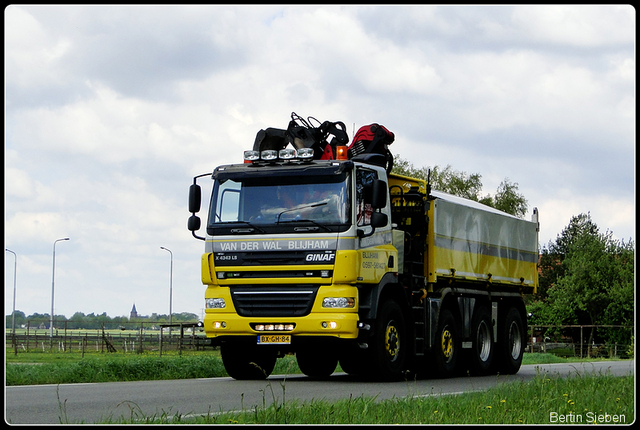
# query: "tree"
553, 255
457, 183
507, 199
77, 320
469, 186
19, 318
588, 279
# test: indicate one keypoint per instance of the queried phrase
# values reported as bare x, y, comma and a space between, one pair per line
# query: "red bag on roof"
372, 138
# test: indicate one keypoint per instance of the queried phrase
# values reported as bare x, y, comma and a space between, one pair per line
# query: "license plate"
274, 339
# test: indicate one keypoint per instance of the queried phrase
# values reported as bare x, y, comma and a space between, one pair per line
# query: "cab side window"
364, 183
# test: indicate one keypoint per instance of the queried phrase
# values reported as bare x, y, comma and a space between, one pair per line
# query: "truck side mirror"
195, 197
379, 219
193, 224
379, 194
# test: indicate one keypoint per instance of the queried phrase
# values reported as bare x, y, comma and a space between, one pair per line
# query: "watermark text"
587, 418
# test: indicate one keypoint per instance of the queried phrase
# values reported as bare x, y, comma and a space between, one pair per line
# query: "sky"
110, 111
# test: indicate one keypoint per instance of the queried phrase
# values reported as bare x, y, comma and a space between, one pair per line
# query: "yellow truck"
337, 260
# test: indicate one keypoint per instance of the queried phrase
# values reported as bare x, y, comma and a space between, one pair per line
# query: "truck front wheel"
354, 360
247, 362
389, 350
316, 363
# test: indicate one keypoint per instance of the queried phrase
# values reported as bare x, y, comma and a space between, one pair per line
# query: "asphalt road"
93, 403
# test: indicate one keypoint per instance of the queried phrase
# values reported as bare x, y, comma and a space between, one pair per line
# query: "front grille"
274, 301
282, 257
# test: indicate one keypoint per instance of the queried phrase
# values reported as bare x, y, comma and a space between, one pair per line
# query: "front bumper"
325, 324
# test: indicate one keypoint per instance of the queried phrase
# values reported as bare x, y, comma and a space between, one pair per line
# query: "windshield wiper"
246, 230
304, 220
298, 208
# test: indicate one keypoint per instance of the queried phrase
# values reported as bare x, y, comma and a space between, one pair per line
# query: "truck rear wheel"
482, 349
511, 343
316, 363
247, 362
447, 347
389, 349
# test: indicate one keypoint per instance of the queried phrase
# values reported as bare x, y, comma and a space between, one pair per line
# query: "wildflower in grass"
503, 401
489, 407
565, 395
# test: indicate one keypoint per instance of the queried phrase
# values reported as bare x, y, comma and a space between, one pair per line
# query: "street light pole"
170, 290
13, 313
53, 280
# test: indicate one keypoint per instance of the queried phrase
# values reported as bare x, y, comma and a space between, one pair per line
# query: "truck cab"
288, 246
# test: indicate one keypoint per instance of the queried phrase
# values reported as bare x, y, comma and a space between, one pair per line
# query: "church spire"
134, 312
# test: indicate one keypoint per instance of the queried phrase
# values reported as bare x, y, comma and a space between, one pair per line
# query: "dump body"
471, 241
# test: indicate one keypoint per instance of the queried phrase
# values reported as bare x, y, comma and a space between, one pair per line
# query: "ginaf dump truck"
315, 248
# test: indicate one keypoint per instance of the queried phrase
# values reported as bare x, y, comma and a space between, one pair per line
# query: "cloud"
583, 26
614, 215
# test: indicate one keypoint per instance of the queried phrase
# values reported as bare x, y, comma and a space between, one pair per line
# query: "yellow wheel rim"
447, 344
392, 341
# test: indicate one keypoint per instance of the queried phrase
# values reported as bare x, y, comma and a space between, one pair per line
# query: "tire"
390, 343
511, 343
315, 363
482, 342
354, 361
447, 347
245, 362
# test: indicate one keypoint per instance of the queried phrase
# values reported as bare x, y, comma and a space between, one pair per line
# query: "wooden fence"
577, 340
570, 340
163, 337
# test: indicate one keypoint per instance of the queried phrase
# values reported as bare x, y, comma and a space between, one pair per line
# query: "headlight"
273, 327
338, 302
215, 303
269, 155
305, 153
287, 154
251, 155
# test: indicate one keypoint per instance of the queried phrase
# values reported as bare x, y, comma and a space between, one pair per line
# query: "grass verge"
69, 368
588, 399
51, 368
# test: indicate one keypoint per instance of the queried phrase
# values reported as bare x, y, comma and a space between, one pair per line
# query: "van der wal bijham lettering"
274, 245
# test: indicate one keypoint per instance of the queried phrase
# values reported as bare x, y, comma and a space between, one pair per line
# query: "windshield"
277, 201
